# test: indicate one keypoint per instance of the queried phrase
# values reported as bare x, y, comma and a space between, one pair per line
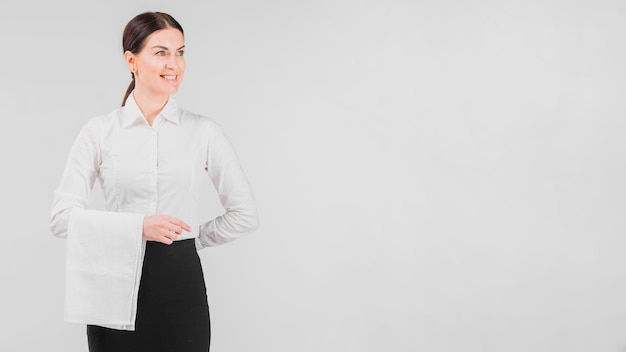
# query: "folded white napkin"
104, 259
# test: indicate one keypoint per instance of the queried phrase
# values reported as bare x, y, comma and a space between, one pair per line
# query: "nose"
171, 62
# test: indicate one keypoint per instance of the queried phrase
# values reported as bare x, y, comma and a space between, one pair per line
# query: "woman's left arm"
235, 194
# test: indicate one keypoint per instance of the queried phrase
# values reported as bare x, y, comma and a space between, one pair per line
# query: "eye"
180, 53
160, 53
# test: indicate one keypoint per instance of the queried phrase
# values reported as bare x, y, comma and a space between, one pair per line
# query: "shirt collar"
132, 113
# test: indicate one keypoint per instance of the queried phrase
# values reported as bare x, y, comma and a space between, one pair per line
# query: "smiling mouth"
169, 77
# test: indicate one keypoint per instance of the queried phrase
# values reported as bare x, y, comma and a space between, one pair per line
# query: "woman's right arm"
104, 249
72, 195
79, 175
69, 216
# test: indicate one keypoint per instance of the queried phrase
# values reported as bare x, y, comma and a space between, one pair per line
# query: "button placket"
153, 188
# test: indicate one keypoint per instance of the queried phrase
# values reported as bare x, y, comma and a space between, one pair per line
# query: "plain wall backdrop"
431, 176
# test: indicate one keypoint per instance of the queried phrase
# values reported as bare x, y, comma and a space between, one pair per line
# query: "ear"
130, 60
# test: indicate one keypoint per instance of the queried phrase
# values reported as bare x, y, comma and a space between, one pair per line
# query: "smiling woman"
159, 68
133, 275
153, 50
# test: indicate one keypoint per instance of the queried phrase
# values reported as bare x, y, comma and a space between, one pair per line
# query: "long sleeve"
235, 194
104, 249
77, 180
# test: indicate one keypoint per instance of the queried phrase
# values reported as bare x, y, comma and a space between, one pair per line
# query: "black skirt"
172, 309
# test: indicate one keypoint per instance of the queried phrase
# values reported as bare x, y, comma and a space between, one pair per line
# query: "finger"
172, 235
175, 228
182, 224
166, 240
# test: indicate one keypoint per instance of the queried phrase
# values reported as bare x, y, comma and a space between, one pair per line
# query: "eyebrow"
165, 48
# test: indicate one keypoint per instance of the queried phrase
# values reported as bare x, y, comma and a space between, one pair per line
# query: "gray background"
431, 177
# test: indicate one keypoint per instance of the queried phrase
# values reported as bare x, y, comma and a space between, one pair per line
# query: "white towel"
104, 260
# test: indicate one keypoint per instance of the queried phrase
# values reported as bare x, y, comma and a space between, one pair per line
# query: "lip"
170, 77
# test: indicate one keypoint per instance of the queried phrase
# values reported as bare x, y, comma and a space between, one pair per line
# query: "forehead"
170, 38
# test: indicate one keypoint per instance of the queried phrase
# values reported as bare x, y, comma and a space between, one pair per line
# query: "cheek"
147, 66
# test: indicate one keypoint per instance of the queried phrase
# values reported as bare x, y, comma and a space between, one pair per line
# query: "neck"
150, 104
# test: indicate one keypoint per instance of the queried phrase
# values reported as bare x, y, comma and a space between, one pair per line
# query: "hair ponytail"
129, 90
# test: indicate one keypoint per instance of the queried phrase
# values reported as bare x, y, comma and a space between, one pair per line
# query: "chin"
169, 90
173, 89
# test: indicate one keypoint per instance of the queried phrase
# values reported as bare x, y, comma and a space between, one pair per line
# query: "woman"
132, 272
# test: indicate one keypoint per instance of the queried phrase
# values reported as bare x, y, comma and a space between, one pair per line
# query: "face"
159, 67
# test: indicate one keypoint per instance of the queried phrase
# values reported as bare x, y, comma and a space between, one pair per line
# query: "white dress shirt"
142, 170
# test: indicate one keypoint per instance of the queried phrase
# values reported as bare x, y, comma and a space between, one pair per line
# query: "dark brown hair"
140, 28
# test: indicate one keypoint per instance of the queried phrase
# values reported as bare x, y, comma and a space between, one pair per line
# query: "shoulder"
97, 121
94, 125
97, 125
106, 119
201, 122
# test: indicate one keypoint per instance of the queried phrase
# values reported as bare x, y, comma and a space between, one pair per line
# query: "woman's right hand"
163, 228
